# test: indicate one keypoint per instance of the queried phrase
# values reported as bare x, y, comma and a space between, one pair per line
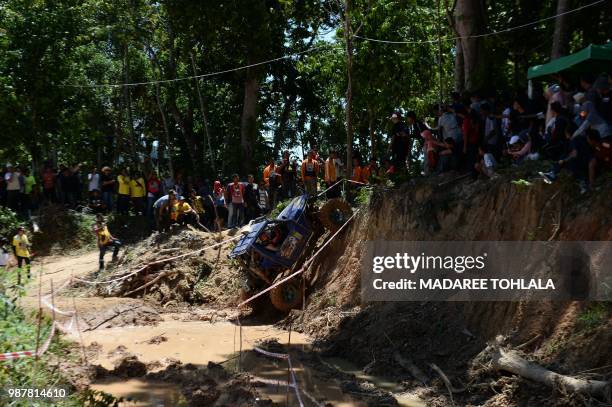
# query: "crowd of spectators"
472, 134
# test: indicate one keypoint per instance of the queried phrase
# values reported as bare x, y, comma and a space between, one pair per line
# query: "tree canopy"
218, 87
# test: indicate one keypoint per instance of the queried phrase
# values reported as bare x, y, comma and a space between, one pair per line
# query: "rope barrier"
510, 29
159, 262
206, 75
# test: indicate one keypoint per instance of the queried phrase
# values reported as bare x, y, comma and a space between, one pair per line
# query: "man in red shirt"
48, 181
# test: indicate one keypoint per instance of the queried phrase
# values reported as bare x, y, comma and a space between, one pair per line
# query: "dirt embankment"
568, 337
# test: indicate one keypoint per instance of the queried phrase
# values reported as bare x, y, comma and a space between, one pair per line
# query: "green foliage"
8, 222
95, 398
594, 315
18, 332
63, 229
363, 196
48, 47
278, 208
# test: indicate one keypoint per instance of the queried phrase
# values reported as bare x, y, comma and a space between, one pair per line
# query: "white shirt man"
94, 181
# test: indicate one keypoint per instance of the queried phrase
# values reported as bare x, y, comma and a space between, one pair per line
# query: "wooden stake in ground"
76, 320
288, 365
39, 317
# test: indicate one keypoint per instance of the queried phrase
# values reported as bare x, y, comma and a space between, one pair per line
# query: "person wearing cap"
310, 173
21, 248
186, 215
107, 187
399, 141
105, 240
518, 149
590, 117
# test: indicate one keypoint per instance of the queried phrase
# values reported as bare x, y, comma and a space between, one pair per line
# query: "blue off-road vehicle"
272, 248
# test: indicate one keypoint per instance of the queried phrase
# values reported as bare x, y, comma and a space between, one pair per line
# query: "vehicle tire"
286, 296
335, 213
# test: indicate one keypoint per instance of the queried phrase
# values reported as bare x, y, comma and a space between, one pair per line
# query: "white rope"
159, 262
518, 27
206, 75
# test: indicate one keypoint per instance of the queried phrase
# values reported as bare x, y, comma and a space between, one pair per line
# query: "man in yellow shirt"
137, 193
105, 240
185, 214
123, 198
21, 248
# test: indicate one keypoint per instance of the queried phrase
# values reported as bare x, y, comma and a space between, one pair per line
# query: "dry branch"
411, 367
142, 287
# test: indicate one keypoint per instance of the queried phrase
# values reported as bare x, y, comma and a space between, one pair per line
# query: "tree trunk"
128, 101
348, 37
459, 69
166, 130
510, 361
187, 131
211, 157
279, 134
469, 21
248, 124
560, 36
373, 144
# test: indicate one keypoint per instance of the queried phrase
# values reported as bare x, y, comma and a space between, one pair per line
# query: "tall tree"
469, 21
561, 34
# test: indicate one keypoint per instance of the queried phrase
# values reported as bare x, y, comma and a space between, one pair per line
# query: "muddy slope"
452, 334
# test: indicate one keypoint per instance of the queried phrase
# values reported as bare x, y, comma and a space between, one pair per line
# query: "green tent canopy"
594, 58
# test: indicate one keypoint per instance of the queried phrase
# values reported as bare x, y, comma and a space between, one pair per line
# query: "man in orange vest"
331, 175
310, 173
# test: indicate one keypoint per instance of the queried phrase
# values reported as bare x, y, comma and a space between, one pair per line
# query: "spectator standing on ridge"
236, 193
107, 187
331, 175
250, 199
154, 189
288, 173
138, 191
263, 200
13, 187
415, 130
29, 193
123, 192
94, 181
310, 173
48, 183
448, 126
399, 141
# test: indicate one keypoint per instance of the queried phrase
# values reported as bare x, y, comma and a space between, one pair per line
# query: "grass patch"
594, 315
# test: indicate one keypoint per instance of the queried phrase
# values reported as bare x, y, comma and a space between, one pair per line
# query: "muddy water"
200, 342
